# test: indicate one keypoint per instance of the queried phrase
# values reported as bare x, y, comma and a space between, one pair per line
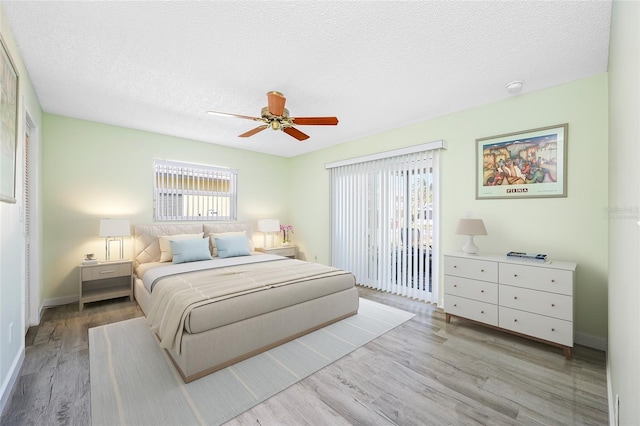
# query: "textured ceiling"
159, 66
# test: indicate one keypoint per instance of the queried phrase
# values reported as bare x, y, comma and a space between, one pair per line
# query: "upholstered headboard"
147, 247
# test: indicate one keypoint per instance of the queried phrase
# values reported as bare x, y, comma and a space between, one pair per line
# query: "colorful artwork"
523, 164
8, 126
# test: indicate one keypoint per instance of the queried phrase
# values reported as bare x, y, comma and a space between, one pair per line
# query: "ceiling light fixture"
514, 87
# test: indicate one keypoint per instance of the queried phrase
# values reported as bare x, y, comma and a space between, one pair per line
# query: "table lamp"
114, 230
470, 227
268, 226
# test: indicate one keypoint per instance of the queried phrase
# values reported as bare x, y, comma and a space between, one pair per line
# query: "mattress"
201, 296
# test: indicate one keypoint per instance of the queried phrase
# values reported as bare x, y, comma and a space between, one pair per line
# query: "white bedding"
152, 272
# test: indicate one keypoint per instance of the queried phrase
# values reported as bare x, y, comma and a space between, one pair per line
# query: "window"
184, 191
384, 220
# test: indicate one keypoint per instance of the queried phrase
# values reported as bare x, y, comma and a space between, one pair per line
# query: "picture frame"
9, 85
526, 164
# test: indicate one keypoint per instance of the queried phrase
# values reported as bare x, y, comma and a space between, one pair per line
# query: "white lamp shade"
269, 225
471, 227
115, 228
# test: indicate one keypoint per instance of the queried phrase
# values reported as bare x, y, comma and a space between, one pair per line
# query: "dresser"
527, 298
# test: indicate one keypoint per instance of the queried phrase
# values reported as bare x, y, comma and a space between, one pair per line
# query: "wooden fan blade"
226, 114
292, 131
315, 121
276, 102
253, 131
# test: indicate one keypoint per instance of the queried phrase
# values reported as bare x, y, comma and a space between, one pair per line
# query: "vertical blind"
184, 192
384, 220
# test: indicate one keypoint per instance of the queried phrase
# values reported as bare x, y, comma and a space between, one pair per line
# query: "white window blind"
184, 192
384, 220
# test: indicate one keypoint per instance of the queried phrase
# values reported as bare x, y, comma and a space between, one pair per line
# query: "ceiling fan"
276, 117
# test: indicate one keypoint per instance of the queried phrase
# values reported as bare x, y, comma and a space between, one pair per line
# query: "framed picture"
527, 164
8, 125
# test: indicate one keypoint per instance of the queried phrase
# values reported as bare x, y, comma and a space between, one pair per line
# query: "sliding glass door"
384, 227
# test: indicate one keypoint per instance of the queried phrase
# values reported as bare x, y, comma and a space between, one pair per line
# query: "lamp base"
470, 247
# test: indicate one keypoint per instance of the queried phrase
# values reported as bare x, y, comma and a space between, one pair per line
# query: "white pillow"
213, 236
165, 244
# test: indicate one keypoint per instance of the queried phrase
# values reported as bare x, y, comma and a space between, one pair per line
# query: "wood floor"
425, 372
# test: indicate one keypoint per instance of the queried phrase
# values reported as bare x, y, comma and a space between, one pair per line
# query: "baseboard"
12, 378
57, 301
595, 342
612, 402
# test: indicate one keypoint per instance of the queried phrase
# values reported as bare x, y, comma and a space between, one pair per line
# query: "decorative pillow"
165, 244
214, 248
232, 246
190, 250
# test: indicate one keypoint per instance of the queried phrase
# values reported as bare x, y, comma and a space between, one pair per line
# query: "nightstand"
286, 251
106, 281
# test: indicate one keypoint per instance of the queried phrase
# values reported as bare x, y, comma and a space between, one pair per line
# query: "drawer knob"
481, 270
455, 266
553, 305
515, 297
515, 275
553, 329
455, 285
455, 305
481, 291
553, 281
482, 312
109, 271
515, 320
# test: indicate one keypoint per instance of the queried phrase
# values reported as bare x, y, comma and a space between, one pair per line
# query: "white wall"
93, 170
624, 200
572, 228
12, 245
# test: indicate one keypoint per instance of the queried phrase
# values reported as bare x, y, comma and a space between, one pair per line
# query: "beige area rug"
134, 382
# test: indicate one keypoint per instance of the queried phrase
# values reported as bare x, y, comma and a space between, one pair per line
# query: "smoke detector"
514, 87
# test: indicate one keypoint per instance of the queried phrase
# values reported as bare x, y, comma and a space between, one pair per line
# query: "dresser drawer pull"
110, 271
482, 312
515, 320
481, 270
515, 275
455, 285
481, 291
515, 297
553, 329
553, 281
553, 305
455, 266
455, 305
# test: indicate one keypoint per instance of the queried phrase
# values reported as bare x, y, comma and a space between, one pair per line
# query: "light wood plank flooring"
425, 372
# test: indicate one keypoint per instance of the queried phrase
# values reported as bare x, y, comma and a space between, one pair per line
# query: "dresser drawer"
472, 309
471, 268
542, 327
482, 291
537, 278
537, 302
99, 272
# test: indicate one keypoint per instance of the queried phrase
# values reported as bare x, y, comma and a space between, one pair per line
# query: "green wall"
92, 170
572, 228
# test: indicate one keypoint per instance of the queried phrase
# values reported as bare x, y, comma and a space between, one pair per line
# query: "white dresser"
527, 298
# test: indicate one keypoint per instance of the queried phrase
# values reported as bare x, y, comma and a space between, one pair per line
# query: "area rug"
134, 382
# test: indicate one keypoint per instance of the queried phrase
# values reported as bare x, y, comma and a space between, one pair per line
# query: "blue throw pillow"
232, 246
190, 250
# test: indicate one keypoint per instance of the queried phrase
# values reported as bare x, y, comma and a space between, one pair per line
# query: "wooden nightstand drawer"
101, 271
288, 251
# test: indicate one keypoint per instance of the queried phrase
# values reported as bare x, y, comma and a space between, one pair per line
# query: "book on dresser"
530, 299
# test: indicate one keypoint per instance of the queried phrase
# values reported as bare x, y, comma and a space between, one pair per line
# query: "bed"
212, 309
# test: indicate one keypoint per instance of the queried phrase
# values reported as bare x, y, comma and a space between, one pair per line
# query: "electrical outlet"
468, 214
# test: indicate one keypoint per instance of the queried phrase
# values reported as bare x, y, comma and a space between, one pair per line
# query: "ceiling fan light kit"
277, 117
